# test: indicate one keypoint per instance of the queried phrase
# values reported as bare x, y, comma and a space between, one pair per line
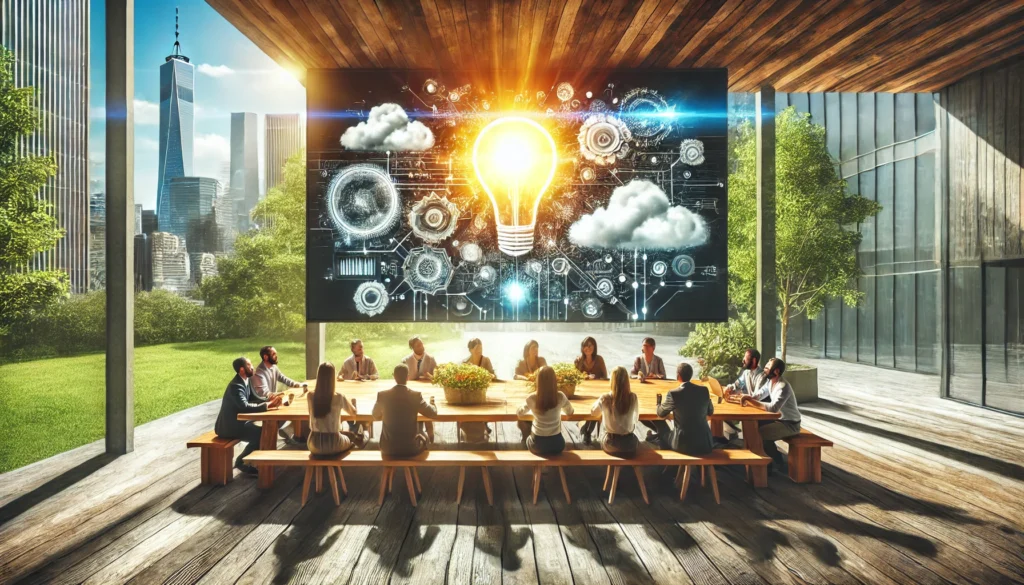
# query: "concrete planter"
804, 382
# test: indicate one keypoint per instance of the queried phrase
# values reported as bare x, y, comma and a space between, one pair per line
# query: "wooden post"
316, 343
766, 299
120, 225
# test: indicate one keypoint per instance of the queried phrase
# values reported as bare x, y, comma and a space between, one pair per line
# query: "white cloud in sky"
214, 70
146, 113
639, 215
211, 153
388, 128
144, 143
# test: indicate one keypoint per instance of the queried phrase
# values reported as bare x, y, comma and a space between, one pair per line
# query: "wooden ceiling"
810, 45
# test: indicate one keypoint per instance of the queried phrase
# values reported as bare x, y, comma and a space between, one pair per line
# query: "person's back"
690, 405
398, 408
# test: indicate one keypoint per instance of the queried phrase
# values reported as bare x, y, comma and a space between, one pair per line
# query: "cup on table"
659, 399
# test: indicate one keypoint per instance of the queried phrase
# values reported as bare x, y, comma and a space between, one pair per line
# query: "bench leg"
369, 428
565, 485
319, 479
703, 483
341, 478
643, 486
391, 478
607, 478
416, 478
462, 482
615, 485
714, 484
536, 483
334, 487
487, 485
305, 485
204, 466
409, 484
756, 474
686, 483
383, 485
679, 475
805, 464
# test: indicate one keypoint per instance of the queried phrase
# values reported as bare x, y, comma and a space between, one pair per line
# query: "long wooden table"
503, 400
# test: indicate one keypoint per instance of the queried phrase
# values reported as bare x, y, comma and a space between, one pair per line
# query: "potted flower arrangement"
567, 376
463, 383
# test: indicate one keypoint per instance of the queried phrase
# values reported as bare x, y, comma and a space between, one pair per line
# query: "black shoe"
246, 469
652, 437
293, 442
586, 439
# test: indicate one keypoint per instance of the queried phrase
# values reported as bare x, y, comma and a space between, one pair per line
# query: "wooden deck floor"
917, 489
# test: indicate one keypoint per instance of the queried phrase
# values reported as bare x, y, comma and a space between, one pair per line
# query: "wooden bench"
805, 456
487, 459
216, 457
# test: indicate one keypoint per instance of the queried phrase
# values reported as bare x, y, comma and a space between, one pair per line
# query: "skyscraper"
190, 210
177, 124
245, 178
97, 241
50, 42
285, 135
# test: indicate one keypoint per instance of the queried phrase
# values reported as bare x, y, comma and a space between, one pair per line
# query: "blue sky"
232, 75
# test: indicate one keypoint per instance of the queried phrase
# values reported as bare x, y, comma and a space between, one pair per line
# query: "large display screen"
581, 196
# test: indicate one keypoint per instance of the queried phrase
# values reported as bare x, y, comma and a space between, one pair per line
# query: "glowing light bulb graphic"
515, 160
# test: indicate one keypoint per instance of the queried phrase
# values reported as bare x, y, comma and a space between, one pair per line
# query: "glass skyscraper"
286, 135
177, 125
245, 178
190, 210
50, 42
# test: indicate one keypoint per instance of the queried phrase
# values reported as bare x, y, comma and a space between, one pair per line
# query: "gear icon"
433, 218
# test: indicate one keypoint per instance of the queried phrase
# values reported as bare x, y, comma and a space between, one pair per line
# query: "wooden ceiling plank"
617, 18
733, 30
643, 14
824, 20
418, 52
254, 12
652, 33
424, 32
324, 31
581, 25
340, 29
534, 20
462, 31
908, 56
685, 26
379, 25
478, 25
593, 19
442, 33
449, 30
546, 43
752, 37
246, 26
720, 16
367, 32
281, 13
565, 25
509, 33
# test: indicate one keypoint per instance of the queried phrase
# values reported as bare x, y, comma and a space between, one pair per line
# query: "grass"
53, 405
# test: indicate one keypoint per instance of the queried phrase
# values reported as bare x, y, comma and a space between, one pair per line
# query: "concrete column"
316, 345
120, 161
767, 295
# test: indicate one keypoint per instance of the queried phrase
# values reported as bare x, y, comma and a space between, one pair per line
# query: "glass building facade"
190, 209
50, 41
177, 128
285, 135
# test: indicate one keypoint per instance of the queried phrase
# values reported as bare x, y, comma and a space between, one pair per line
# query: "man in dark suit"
400, 434
238, 398
690, 406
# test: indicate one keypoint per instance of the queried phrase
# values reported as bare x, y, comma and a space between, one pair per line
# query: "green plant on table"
566, 376
462, 383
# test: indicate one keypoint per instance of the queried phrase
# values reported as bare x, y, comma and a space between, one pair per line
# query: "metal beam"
766, 302
120, 87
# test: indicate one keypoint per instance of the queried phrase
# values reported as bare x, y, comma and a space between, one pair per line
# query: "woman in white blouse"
620, 410
547, 405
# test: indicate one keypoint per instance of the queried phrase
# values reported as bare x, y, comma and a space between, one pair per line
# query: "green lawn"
53, 405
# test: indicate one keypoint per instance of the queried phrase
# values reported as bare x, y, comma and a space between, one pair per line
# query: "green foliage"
567, 374
27, 224
78, 325
260, 288
720, 346
461, 376
816, 240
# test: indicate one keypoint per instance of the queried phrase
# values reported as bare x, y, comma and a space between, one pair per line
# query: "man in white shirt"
775, 395
750, 377
264, 385
358, 366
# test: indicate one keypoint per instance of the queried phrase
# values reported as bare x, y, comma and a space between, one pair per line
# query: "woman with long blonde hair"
531, 362
325, 405
543, 435
620, 410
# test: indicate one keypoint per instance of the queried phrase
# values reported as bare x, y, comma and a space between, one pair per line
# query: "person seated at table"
543, 435
750, 377
326, 437
531, 361
775, 395
477, 357
264, 385
647, 365
421, 364
690, 406
592, 364
358, 366
400, 434
620, 410
239, 398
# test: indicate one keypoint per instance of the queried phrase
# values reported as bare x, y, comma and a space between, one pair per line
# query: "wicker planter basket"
568, 389
465, 395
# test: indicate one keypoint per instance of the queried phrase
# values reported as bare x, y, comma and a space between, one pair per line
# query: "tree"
27, 224
816, 238
260, 288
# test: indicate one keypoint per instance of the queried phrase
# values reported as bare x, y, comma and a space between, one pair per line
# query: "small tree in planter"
462, 383
567, 377
815, 240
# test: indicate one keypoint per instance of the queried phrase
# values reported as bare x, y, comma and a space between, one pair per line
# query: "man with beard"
264, 386
239, 398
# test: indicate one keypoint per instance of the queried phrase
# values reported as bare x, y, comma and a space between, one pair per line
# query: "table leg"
717, 428
756, 474
301, 429
268, 442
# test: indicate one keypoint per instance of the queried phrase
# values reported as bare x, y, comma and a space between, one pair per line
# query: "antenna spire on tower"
177, 45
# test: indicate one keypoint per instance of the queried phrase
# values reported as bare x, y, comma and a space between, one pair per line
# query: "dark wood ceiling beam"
286, 23
644, 12
646, 41
565, 25
341, 32
742, 25
367, 32
324, 38
686, 24
689, 51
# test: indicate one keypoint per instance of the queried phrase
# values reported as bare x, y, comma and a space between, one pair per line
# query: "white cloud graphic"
639, 215
388, 128
214, 70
